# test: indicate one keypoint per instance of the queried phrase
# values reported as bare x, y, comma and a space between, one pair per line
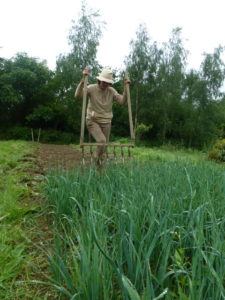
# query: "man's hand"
85, 71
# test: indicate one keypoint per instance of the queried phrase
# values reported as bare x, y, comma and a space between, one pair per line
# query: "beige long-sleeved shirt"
100, 102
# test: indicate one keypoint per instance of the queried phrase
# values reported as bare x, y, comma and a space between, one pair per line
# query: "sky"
41, 27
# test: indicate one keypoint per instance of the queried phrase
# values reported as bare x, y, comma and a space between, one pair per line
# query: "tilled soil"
68, 157
58, 156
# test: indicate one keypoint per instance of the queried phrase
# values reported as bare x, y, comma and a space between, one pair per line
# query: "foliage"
17, 133
218, 151
141, 64
84, 38
57, 137
213, 71
25, 83
39, 135
141, 130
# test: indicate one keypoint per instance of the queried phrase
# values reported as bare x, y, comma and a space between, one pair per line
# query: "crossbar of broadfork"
112, 145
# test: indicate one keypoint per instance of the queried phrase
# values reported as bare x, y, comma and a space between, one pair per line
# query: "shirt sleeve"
121, 99
79, 90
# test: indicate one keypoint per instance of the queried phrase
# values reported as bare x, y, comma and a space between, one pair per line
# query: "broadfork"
112, 145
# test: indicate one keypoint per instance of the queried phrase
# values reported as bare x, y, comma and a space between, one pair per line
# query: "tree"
84, 40
169, 86
25, 84
202, 98
141, 64
213, 72
8, 95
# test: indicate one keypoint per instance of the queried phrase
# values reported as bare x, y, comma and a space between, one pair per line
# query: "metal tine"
107, 154
114, 152
122, 154
91, 151
129, 152
83, 156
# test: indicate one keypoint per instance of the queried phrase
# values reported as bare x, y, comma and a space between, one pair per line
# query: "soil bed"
58, 156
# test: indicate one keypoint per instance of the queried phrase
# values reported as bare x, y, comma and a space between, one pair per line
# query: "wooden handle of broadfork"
83, 109
129, 108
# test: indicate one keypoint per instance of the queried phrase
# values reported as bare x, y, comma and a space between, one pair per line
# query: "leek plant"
139, 231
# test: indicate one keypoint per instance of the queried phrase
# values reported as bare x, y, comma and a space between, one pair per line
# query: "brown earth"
69, 157
58, 156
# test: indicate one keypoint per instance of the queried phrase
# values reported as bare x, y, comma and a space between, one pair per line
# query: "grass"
18, 222
167, 153
148, 230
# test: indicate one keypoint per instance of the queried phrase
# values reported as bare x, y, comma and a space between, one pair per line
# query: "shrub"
57, 137
46, 135
218, 151
19, 133
141, 130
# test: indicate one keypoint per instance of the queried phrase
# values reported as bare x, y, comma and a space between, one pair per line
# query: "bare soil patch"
58, 156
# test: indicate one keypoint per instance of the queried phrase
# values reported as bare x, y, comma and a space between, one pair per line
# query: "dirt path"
58, 156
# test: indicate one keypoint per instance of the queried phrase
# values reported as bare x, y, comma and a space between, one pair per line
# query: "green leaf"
130, 288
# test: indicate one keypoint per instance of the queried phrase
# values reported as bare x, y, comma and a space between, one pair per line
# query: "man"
99, 110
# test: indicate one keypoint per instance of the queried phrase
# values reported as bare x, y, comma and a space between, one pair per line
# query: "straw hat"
106, 76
